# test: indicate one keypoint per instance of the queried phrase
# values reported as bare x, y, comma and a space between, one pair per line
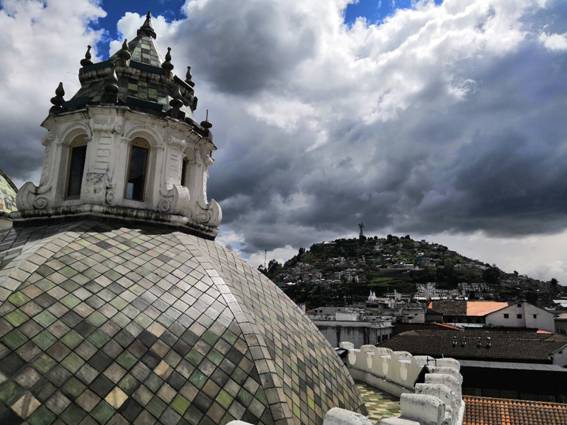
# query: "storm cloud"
42, 44
442, 119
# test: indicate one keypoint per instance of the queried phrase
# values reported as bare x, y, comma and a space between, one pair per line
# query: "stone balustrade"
430, 390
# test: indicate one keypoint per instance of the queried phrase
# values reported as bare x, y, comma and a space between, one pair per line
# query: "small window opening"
76, 169
137, 170
184, 172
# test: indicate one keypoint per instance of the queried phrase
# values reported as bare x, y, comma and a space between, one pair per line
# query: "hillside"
344, 271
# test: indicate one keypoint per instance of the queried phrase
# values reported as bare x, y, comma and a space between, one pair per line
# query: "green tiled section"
378, 404
295, 359
143, 50
115, 325
140, 85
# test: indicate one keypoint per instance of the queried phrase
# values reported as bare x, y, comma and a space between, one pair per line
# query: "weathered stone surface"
426, 409
398, 421
337, 416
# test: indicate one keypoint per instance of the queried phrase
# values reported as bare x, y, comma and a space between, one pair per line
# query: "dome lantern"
126, 145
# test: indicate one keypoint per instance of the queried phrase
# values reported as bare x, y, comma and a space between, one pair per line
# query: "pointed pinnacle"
167, 66
87, 59
60, 91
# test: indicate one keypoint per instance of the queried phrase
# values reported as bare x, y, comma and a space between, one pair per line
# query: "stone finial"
124, 53
167, 66
110, 94
189, 77
206, 124
146, 29
176, 103
86, 61
58, 101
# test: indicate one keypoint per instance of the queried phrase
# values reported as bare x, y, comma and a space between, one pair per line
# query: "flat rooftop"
379, 404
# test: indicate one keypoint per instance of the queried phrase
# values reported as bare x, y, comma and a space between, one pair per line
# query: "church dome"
141, 325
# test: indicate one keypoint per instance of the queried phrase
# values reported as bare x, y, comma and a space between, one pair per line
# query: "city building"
496, 363
412, 313
561, 324
521, 315
468, 313
350, 324
116, 304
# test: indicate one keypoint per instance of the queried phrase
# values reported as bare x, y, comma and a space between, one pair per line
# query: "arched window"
184, 169
137, 170
77, 156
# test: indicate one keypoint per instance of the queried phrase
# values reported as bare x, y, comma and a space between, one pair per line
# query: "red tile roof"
502, 411
482, 308
465, 308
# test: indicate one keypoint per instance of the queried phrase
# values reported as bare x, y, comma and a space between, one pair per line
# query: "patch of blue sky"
375, 11
116, 9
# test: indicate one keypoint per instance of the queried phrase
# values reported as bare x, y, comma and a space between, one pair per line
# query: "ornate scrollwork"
209, 215
174, 199
32, 197
99, 187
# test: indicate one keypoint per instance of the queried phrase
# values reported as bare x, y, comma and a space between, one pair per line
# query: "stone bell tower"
126, 145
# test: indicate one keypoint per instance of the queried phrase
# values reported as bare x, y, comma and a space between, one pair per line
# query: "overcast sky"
447, 121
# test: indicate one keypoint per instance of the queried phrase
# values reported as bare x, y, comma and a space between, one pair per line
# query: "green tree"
491, 275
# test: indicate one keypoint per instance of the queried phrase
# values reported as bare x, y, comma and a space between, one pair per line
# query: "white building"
561, 324
522, 315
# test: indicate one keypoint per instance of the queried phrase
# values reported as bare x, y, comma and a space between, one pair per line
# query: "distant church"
116, 305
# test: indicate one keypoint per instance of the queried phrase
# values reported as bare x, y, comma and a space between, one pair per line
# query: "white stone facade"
109, 132
522, 315
437, 401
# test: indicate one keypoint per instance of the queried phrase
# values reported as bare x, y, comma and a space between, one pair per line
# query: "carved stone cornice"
108, 121
176, 143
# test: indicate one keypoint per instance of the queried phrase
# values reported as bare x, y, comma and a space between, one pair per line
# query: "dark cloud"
493, 160
243, 47
42, 43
